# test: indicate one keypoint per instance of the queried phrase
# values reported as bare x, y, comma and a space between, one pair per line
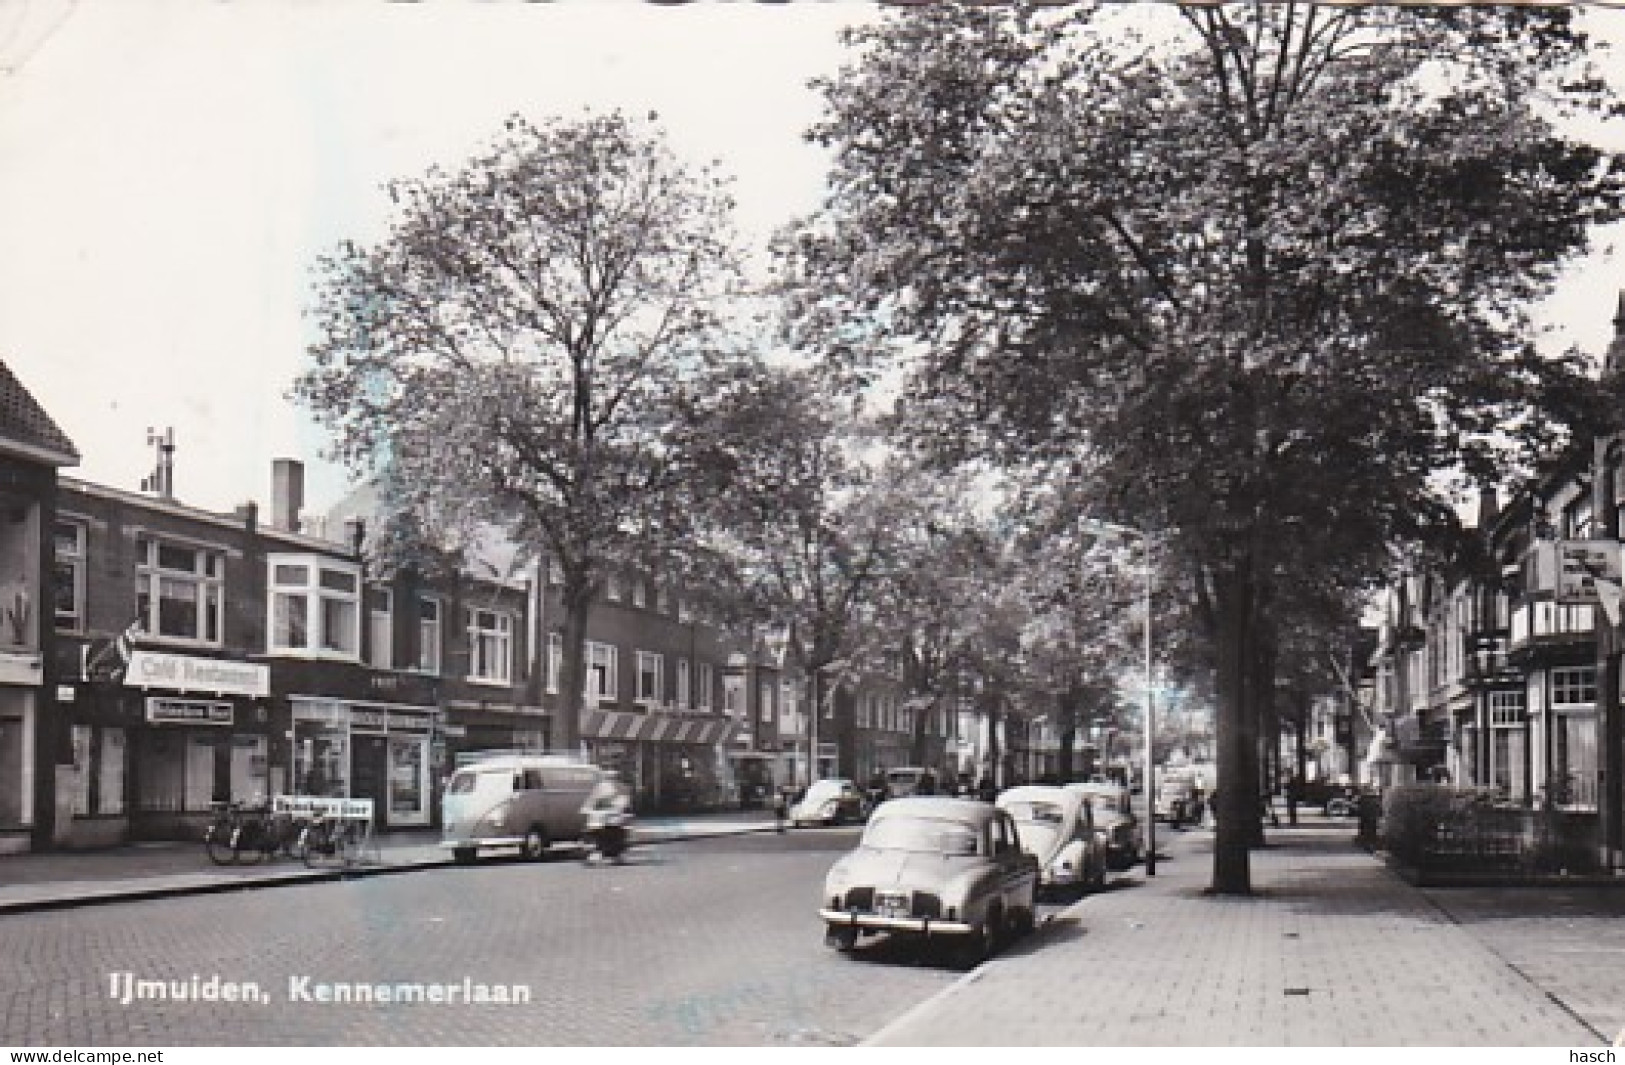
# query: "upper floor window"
601, 670
490, 646
639, 593
70, 576
612, 588
429, 641
555, 661
684, 689
651, 677
663, 600
1574, 686
179, 590
381, 628
702, 687
315, 606
555, 572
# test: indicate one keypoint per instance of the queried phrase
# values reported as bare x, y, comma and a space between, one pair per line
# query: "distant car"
1057, 827
830, 802
935, 867
910, 780
1114, 816
1175, 802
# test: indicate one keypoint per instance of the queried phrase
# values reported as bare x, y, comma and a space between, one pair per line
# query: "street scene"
811, 525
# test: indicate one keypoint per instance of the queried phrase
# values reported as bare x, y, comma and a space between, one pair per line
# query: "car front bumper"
876, 923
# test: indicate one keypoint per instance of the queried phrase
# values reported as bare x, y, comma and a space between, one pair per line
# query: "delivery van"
524, 802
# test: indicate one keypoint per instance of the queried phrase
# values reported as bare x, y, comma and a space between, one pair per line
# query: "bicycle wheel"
248, 843
217, 841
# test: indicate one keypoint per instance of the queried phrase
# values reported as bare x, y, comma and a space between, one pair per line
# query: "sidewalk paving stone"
1333, 949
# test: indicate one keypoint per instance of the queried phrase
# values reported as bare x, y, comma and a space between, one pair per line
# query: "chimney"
287, 493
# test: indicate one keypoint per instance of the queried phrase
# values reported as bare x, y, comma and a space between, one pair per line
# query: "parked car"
1057, 827
516, 801
829, 802
1115, 817
935, 867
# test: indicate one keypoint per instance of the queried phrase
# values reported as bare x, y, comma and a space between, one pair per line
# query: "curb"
292, 878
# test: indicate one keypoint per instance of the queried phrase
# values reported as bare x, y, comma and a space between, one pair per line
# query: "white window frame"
555, 661
380, 622
208, 575
430, 634
74, 561
490, 645
650, 664
702, 687
602, 665
318, 597
1567, 681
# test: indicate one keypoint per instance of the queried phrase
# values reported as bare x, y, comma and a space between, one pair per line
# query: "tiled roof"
24, 421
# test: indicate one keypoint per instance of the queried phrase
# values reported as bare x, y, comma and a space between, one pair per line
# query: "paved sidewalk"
62, 879
1333, 950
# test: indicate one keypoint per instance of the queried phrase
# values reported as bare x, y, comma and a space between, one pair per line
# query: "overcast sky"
170, 170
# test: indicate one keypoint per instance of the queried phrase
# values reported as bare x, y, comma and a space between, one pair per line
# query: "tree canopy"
534, 346
1268, 270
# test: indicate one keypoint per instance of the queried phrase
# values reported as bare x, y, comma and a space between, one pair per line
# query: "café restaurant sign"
186, 673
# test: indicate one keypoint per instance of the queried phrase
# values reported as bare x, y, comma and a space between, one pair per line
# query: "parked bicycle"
238, 833
328, 840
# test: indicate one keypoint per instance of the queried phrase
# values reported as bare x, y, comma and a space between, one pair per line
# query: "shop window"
110, 785
82, 770
315, 607
428, 635
380, 628
490, 646
70, 576
249, 770
179, 590
651, 677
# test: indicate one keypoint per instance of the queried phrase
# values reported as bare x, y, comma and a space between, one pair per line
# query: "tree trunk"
566, 724
1237, 807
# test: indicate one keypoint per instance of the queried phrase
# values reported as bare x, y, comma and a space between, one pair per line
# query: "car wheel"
844, 940
983, 941
1025, 922
463, 855
534, 845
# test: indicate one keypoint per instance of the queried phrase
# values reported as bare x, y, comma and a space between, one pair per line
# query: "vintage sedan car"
1176, 802
935, 867
1057, 827
830, 802
1115, 818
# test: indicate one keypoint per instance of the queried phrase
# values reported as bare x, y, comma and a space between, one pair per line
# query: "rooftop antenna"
162, 479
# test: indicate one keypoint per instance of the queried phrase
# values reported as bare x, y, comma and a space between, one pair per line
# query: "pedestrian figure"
781, 810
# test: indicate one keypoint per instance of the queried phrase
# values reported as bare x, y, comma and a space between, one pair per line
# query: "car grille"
861, 898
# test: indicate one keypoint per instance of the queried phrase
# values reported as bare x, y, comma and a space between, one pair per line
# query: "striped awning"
658, 726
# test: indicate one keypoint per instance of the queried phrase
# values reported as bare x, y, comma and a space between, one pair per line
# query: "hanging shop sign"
189, 712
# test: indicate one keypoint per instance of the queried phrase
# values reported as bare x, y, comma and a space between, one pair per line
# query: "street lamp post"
1150, 700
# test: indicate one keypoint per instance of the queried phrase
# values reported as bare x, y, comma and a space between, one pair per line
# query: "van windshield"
468, 781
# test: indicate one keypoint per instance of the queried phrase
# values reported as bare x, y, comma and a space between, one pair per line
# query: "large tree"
1268, 268
532, 347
